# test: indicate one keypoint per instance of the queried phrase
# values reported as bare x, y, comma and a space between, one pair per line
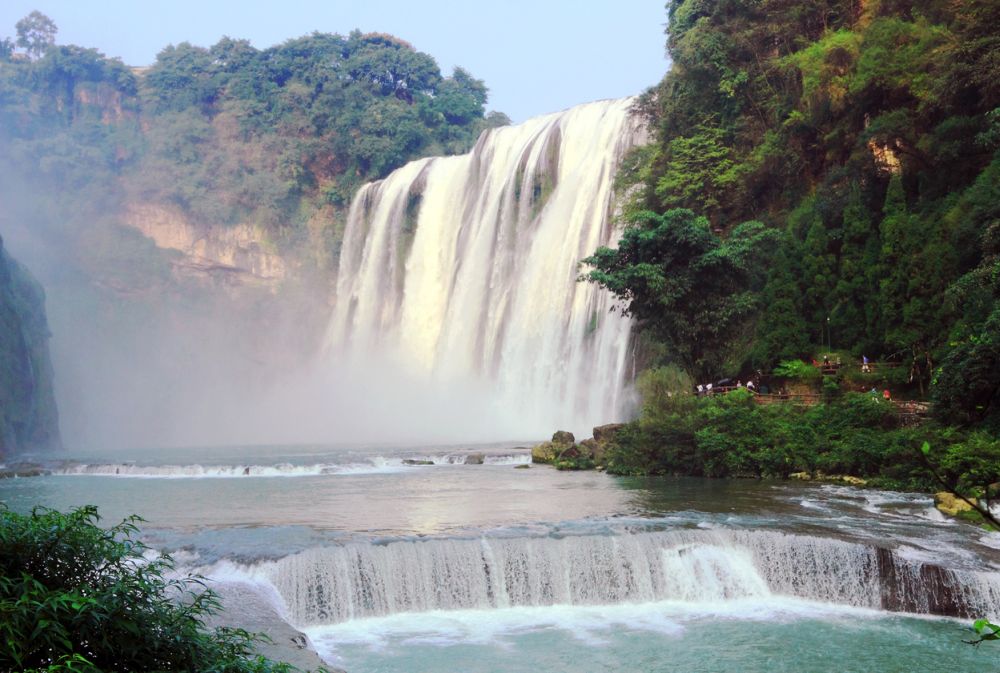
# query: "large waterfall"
463, 269
334, 584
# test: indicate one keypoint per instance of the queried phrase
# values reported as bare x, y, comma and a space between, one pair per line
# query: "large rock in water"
563, 444
28, 417
546, 452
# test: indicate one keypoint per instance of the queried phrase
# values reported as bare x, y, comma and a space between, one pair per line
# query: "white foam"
590, 624
373, 465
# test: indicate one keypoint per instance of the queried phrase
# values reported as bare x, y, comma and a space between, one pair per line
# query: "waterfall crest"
464, 268
335, 584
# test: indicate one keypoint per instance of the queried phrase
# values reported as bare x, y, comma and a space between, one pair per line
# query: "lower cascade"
335, 584
464, 269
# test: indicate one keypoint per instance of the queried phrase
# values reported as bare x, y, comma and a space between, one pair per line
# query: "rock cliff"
28, 416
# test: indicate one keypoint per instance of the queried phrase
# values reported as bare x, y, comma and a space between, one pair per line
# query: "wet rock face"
922, 588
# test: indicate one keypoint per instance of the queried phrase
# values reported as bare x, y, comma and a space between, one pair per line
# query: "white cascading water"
464, 268
335, 584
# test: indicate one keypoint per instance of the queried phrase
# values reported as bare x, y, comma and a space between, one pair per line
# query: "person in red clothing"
886, 395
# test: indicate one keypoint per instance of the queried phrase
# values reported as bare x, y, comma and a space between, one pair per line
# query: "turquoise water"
772, 637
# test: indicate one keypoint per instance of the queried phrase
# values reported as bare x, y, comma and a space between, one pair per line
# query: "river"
388, 563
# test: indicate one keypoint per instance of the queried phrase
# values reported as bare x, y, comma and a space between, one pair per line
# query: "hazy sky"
536, 56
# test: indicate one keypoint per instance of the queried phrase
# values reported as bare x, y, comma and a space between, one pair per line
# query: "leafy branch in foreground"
985, 630
78, 597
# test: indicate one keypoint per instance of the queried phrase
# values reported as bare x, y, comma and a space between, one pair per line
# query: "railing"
805, 399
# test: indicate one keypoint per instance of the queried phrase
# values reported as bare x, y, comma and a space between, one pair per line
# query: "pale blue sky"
536, 56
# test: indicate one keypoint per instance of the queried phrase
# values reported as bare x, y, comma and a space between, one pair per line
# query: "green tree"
74, 596
692, 289
36, 33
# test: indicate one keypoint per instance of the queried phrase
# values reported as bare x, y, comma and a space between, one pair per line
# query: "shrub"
77, 597
797, 369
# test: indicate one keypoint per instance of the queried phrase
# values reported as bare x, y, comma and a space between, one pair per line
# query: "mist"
168, 362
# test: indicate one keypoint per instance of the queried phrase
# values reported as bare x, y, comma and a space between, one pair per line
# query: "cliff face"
28, 416
236, 253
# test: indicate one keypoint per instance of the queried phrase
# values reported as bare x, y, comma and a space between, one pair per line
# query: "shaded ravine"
464, 269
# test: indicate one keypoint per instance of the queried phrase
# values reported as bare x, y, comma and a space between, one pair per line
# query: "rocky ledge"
564, 453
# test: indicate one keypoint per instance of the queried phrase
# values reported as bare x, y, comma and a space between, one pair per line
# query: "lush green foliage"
278, 138
731, 435
77, 597
867, 135
691, 288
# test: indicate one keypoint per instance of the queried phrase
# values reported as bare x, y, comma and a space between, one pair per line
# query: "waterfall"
464, 268
335, 584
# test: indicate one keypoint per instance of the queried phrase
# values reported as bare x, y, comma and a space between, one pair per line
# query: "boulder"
474, 459
591, 448
549, 452
951, 504
415, 461
607, 433
546, 452
563, 437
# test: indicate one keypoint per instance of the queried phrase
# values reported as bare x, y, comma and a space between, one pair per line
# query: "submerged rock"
522, 466
474, 459
417, 461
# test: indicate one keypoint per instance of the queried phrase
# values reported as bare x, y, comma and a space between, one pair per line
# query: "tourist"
864, 364
886, 395
750, 385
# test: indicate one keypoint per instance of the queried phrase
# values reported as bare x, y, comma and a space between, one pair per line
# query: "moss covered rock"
546, 452
951, 504
563, 437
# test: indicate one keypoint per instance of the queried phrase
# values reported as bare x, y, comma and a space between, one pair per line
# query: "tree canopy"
231, 133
